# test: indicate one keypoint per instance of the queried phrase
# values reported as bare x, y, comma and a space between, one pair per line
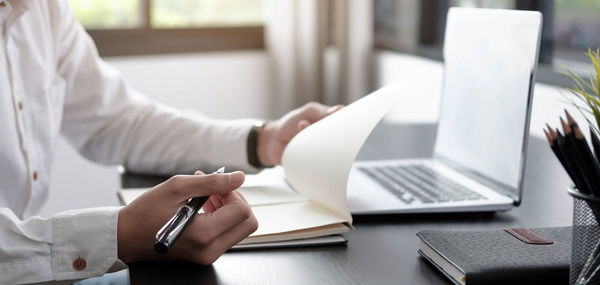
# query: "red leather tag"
529, 236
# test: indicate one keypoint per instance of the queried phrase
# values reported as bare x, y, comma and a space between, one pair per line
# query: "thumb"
188, 186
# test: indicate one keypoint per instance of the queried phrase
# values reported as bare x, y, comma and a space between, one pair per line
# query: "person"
53, 82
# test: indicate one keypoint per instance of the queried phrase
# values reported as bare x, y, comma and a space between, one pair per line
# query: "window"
168, 26
205, 13
570, 27
94, 14
576, 28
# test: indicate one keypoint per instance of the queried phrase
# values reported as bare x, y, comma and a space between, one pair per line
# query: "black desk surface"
382, 249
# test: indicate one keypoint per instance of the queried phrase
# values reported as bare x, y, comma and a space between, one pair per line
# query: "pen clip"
171, 230
183, 210
167, 225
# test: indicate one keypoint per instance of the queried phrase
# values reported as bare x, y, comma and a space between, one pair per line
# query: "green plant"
587, 94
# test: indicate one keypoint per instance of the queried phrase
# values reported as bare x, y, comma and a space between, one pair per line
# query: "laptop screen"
490, 58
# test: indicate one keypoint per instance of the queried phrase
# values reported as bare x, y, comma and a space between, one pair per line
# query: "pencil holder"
585, 247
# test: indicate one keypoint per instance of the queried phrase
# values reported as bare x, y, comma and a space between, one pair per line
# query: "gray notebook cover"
497, 257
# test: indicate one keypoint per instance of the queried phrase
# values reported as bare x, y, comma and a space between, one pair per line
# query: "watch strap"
252, 146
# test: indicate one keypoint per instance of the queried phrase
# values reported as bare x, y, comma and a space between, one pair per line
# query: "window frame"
430, 41
146, 39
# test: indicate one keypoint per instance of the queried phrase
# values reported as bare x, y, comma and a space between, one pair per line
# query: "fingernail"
236, 177
334, 108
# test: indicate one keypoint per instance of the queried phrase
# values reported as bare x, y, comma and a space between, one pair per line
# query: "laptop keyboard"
419, 183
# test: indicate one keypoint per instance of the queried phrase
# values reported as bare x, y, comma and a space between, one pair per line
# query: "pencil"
551, 137
570, 158
589, 164
578, 159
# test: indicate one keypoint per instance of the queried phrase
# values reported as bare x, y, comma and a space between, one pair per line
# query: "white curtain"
309, 66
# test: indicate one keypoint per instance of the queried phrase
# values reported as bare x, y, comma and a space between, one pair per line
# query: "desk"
382, 249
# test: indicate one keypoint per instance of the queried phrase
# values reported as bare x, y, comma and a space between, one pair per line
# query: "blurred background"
278, 54
262, 58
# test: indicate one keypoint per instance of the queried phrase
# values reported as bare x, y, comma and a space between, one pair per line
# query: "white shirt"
53, 82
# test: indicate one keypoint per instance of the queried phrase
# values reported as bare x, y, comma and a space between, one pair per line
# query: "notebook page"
317, 161
268, 187
282, 218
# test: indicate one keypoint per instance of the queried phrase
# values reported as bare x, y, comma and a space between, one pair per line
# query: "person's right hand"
227, 219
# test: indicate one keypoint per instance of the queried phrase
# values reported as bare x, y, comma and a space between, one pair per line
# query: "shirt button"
35, 175
79, 264
2, 4
20, 105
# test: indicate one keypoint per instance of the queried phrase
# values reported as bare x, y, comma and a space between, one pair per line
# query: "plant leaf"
584, 94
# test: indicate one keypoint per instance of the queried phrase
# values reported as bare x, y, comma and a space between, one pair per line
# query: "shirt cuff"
85, 243
230, 143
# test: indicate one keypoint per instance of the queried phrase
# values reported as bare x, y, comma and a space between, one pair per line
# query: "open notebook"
306, 196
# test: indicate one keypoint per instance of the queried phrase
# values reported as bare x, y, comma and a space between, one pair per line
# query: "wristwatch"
252, 145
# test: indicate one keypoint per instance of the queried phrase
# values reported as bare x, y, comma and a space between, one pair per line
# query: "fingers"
313, 111
213, 224
236, 234
212, 204
217, 201
230, 238
187, 186
334, 109
302, 125
242, 197
216, 232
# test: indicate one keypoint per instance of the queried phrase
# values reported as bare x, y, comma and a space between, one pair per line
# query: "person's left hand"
275, 135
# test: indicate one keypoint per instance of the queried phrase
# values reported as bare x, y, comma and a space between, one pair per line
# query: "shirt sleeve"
72, 245
109, 122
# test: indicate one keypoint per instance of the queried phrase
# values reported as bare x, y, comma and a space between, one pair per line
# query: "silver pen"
170, 232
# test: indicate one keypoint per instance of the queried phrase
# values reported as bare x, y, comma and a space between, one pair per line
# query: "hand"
227, 219
275, 135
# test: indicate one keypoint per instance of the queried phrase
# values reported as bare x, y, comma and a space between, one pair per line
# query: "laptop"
490, 60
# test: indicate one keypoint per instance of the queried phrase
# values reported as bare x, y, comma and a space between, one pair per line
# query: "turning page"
317, 163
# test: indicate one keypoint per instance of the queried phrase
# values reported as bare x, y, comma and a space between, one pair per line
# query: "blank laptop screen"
489, 60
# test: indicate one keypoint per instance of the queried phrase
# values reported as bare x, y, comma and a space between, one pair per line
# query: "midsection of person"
30, 107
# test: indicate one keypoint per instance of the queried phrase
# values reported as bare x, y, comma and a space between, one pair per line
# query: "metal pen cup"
585, 247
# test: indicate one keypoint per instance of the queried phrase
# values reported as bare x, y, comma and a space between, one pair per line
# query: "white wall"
224, 85
422, 75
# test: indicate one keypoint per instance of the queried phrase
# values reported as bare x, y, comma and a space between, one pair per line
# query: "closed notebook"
499, 257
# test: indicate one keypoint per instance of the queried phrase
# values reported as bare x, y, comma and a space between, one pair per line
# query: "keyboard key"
419, 182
